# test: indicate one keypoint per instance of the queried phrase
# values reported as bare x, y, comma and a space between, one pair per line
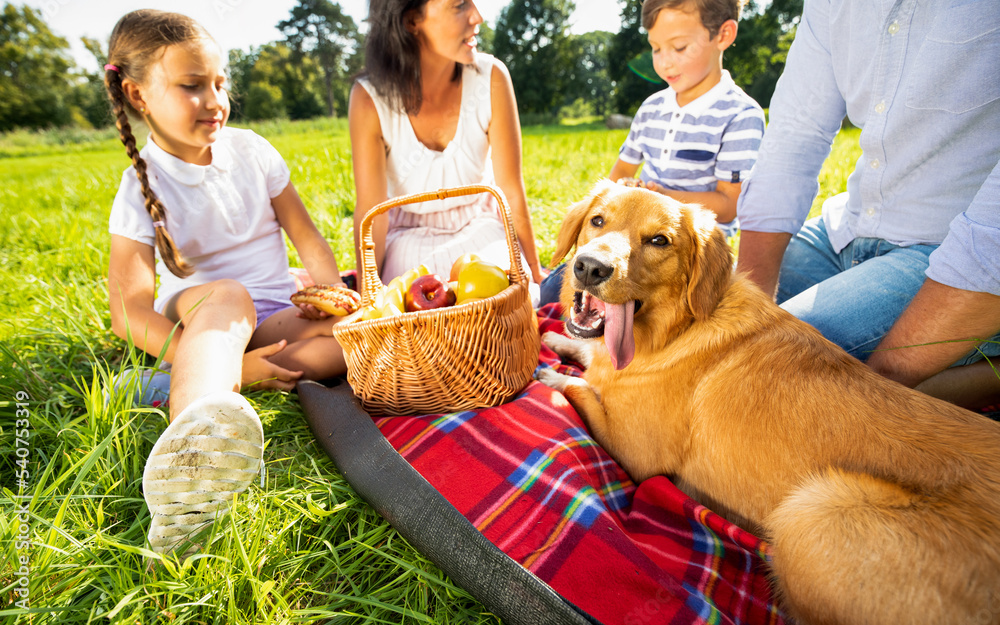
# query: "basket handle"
369, 267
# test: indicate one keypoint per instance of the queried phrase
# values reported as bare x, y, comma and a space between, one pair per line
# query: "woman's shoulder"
488, 74
486, 64
367, 101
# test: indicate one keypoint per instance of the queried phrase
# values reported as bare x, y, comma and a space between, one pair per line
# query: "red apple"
429, 292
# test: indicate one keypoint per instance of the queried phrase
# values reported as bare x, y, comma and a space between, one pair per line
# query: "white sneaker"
211, 451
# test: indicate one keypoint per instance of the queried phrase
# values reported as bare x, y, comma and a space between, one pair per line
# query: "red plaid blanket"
530, 478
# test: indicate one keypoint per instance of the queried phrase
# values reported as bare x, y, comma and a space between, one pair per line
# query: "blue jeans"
853, 297
551, 285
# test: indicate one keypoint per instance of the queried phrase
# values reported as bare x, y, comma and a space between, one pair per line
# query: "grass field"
303, 548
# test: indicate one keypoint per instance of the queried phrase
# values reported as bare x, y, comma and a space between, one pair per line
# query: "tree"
757, 58
484, 41
280, 85
240, 68
34, 66
590, 79
88, 97
321, 30
532, 39
628, 43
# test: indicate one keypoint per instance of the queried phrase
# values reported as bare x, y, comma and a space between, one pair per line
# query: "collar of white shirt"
700, 104
189, 173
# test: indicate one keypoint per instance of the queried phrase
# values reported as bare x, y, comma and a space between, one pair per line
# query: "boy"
698, 138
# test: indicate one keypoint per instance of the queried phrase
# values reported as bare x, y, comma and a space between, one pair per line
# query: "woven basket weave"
473, 355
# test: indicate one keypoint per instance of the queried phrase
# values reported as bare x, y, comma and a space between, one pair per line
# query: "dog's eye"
660, 241
597, 221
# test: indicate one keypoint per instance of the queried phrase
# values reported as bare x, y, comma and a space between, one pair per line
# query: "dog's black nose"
591, 271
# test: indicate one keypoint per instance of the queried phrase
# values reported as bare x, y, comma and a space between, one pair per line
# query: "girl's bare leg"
218, 320
213, 447
311, 346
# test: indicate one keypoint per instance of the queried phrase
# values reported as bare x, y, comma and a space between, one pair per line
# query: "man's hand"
941, 315
760, 257
259, 372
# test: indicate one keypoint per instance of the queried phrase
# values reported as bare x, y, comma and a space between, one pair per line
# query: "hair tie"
158, 224
110, 67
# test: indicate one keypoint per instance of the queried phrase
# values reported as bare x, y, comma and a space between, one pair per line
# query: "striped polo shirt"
689, 148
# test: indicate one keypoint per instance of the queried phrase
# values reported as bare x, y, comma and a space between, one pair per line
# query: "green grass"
303, 548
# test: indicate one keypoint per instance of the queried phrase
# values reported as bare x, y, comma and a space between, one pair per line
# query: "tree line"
309, 73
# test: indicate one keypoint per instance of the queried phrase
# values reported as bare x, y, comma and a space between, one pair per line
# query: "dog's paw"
551, 378
566, 347
552, 339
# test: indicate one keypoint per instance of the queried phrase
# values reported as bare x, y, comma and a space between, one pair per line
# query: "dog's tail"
852, 548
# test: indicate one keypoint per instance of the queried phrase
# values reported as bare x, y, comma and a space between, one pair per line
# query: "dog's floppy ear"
569, 232
711, 264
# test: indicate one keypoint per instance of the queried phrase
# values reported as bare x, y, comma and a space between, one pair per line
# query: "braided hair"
137, 42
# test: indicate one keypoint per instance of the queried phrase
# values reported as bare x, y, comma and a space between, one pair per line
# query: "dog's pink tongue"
618, 332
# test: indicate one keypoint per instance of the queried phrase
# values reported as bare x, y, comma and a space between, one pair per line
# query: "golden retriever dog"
881, 504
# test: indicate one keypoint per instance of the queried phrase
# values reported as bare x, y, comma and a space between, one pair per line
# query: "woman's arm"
368, 157
312, 248
505, 142
131, 291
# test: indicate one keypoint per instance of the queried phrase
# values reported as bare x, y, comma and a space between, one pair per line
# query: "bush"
538, 119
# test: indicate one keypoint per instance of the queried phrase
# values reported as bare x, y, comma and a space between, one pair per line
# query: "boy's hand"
259, 372
652, 185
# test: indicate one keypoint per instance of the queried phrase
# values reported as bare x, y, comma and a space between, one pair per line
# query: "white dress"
435, 233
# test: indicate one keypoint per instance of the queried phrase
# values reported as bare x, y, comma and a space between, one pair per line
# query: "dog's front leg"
566, 347
580, 394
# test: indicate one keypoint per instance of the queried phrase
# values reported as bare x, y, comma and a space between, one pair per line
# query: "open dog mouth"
592, 318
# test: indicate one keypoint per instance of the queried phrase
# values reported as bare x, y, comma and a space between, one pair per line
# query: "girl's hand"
259, 372
308, 311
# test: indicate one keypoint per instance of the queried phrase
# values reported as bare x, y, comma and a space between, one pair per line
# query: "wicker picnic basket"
472, 355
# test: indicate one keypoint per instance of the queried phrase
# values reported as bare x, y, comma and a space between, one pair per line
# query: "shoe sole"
210, 452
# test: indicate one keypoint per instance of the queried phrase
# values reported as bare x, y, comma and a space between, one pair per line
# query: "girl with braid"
202, 208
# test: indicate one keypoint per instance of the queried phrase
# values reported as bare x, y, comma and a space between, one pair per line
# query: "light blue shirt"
922, 81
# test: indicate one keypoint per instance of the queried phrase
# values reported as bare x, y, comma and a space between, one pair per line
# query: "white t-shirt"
219, 215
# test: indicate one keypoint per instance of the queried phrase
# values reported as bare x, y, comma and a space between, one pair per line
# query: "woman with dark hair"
430, 112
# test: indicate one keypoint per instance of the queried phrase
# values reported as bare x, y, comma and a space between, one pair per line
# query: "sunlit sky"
245, 23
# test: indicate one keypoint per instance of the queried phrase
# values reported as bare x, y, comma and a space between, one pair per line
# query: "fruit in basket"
390, 309
427, 293
460, 262
410, 276
370, 312
391, 294
480, 279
